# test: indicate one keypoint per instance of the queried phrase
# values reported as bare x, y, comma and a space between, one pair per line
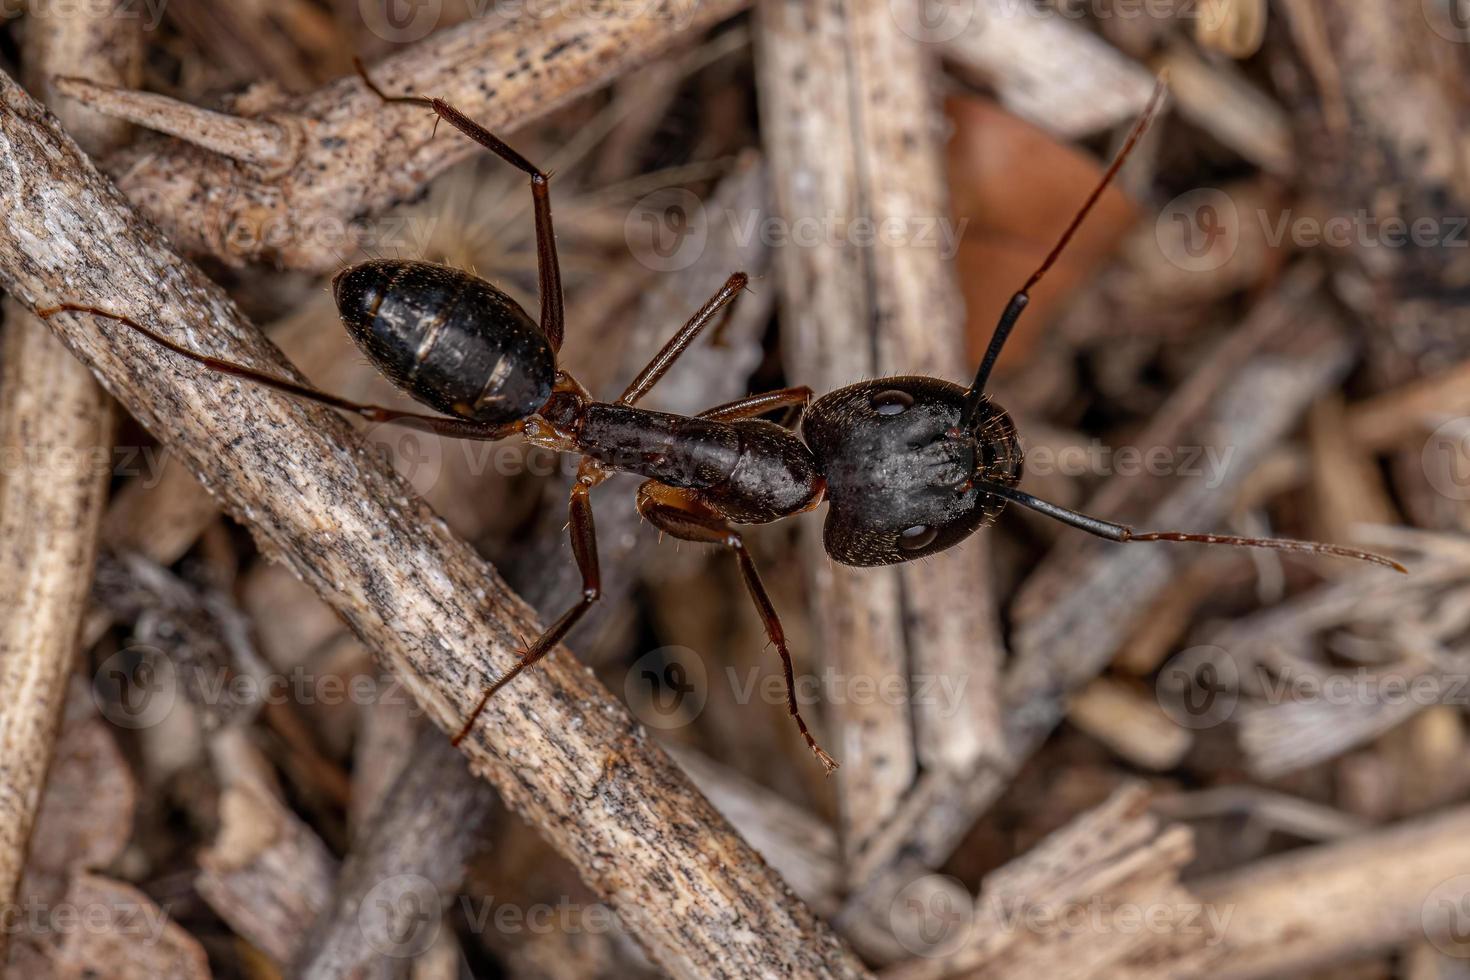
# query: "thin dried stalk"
295, 184
1310, 908
557, 747
848, 122
56, 433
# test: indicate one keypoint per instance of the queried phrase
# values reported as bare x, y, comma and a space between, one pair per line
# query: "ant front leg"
684, 515
681, 341
548, 267
583, 533
794, 400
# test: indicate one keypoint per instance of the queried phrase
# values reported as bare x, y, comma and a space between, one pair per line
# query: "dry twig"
556, 746
56, 426
294, 181
848, 122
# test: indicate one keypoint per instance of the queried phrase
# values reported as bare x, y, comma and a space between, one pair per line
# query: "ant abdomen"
449, 338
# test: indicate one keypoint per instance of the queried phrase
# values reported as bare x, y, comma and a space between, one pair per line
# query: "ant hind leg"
548, 266
684, 515
583, 533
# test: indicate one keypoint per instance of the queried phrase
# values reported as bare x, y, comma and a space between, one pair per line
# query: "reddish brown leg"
548, 268
442, 424
583, 533
680, 342
682, 514
794, 400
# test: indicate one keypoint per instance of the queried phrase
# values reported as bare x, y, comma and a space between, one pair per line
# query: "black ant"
910, 466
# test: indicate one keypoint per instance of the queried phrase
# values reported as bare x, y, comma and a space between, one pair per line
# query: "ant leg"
680, 342
548, 267
441, 424
684, 515
583, 533
1122, 533
794, 400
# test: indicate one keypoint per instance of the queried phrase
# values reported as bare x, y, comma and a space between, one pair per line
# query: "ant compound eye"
892, 402
918, 536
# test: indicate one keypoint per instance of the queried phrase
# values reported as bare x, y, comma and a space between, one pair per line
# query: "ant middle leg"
681, 341
684, 515
794, 400
444, 425
548, 266
583, 533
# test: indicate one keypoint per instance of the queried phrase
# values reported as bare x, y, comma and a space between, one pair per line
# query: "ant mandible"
909, 466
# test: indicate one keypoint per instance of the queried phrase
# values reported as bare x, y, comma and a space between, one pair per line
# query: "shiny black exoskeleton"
459, 344
909, 466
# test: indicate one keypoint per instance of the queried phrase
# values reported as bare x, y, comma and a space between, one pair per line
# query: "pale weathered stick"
1054, 72
848, 122
293, 185
1062, 908
394, 892
1309, 908
56, 429
556, 746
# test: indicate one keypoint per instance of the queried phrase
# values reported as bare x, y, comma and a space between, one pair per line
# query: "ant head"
902, 475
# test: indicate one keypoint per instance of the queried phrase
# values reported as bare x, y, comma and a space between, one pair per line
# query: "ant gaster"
908, 466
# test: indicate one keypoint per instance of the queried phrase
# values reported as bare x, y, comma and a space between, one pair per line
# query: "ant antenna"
1019, 302
1123, 533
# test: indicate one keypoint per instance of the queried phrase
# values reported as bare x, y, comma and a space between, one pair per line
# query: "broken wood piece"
358, 157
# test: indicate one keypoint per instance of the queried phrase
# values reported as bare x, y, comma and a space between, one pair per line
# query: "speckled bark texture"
344, 156
55, 440
556, 746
